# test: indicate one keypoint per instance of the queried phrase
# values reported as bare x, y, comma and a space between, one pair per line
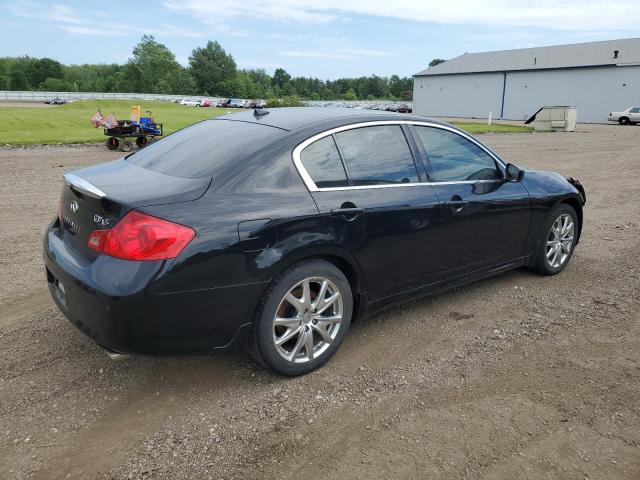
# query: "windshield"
203, 149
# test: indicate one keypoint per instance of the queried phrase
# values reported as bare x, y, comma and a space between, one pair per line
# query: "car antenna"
259, 112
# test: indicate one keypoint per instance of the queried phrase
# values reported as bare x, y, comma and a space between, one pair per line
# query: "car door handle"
347, 212
457, 205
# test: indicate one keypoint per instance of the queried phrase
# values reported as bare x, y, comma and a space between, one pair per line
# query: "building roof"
559, 56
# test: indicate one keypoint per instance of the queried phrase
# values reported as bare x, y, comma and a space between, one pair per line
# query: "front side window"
635, 110
322, 162
453, 158
377, 155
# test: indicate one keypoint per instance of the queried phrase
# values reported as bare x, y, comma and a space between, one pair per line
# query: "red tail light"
138, 236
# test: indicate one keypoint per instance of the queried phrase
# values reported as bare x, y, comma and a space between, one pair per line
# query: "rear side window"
454, 158
322, 162
205, 148
377, 155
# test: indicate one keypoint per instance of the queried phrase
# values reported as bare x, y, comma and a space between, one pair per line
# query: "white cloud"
91, 22
573, 15
338, 54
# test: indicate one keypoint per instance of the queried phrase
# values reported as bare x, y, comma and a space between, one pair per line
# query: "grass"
70, 123
476, 128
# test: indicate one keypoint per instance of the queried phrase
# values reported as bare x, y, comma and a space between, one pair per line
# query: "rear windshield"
203, 149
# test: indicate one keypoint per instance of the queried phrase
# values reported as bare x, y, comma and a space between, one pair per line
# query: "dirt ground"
519, 376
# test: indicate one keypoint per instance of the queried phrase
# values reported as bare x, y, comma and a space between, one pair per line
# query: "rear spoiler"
83, 186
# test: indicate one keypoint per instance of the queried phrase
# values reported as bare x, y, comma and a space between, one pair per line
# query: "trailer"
121, 136
121, 133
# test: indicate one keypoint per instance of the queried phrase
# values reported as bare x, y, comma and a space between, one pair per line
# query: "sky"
319, 38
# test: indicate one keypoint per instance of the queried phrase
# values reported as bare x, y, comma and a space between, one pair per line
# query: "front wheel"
113, 143
623, 121
302, 318
142, 142
558, 239
126, 146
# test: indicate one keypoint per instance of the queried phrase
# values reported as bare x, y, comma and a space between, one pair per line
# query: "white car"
190, 102
630, 116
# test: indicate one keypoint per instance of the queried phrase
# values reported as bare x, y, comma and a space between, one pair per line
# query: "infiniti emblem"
74, 206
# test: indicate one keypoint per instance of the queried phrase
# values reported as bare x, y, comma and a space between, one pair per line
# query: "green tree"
210, 67
39, 69
5, 82
182, 83
18, 80
350, 95
280, 78
436, 61
56, 85
151, 68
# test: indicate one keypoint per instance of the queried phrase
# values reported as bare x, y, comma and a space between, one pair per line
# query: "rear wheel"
142, 142
558, 239
112, 143
126, 146
303, 318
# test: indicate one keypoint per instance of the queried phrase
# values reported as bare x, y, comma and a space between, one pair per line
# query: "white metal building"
596, 77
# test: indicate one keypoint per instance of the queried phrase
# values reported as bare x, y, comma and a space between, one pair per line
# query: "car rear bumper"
116, 304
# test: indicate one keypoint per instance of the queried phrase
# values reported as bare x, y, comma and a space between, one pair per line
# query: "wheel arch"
577, 206
340, 259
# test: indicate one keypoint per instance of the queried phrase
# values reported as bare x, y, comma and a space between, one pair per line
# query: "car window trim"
345, 167
407, 138
308, 181
500, 167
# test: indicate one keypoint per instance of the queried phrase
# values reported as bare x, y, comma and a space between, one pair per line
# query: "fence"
28, 96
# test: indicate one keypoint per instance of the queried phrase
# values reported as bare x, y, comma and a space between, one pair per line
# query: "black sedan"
276, 229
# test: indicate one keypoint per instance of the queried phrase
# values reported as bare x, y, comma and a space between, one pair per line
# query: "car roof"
293, 118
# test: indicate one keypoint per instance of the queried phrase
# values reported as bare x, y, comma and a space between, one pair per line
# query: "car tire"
142, 142
284, 334
126, 146
112, 143
623, 121
558, 240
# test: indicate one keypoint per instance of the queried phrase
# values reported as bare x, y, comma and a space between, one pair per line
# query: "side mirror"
514, 173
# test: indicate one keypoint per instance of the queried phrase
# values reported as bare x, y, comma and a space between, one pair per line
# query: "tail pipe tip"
116, 356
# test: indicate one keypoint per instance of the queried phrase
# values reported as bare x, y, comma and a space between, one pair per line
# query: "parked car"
235, 103
258, 103
190, 102
205, 103
630, 116
56, 101
274, 230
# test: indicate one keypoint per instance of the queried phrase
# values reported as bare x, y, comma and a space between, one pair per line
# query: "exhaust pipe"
115, 356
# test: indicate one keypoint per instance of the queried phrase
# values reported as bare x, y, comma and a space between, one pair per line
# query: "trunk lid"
98, 197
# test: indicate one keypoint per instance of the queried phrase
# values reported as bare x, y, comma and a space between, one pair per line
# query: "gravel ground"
519, 376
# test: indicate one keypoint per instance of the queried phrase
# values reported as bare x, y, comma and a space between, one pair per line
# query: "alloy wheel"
560, 240
307, 320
